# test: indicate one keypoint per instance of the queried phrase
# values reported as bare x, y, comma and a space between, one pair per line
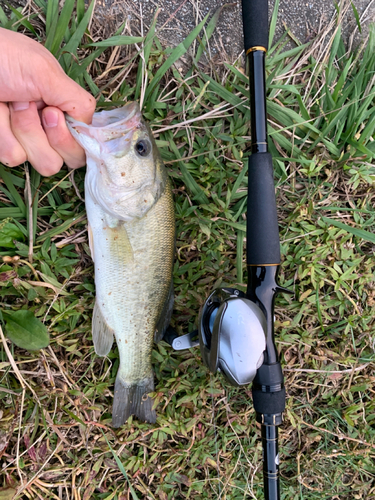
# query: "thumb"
64, 93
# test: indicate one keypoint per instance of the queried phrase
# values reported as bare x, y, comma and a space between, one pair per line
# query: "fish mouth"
121, 119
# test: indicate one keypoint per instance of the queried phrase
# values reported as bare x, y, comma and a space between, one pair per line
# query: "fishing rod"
263, 244
236, 329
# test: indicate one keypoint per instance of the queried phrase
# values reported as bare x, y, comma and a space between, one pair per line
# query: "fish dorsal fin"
102, 335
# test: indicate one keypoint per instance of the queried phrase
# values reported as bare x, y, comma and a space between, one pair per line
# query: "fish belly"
133, 274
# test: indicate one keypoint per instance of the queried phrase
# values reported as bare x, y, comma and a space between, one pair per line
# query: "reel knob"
232, 335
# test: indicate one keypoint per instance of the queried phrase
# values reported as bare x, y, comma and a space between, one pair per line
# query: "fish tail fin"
133, 400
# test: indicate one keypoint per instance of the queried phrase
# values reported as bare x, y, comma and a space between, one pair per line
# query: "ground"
304, 18
56, 437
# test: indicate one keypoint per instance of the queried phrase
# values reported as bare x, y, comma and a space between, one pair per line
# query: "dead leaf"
7, 493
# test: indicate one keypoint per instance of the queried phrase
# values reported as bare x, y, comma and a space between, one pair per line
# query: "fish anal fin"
165, 315
133, 400
102, 335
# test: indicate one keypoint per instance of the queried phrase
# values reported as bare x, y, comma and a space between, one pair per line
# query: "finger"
29, 132
64, 93
11, 151
40, 105
36, 75
60, 139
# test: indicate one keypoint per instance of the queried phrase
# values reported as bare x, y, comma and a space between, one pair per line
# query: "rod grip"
263, 244
255, 23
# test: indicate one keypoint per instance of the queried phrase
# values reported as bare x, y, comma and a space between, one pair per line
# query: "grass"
56, 440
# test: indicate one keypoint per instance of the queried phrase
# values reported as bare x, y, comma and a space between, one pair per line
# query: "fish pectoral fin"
102, 335
120, 244
165, 315
112, 222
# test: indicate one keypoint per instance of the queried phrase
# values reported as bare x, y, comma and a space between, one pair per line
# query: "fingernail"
20, 105
50, 118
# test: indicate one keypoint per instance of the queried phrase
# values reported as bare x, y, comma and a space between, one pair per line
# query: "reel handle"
255, 23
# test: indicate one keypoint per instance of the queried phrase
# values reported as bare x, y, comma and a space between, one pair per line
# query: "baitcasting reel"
232, 336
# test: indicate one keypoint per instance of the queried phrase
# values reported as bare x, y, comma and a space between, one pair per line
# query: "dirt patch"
304, 18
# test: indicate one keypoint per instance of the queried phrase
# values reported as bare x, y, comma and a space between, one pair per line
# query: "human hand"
34, 94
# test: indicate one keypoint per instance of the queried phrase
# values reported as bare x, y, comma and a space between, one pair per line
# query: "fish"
131, 229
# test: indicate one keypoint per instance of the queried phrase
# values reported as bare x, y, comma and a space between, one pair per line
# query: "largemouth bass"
132, 237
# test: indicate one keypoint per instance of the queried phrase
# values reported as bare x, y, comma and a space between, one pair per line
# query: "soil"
177, 18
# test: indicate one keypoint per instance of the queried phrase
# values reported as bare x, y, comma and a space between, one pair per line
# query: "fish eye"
143, 147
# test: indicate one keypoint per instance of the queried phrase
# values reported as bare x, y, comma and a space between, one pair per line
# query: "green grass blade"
147, 45
72, 45
341, 81
272, 28
16, 198
80, 8
208, 32
51, 23
178, 52
60, 229
239, 181
42, 4
22, 21
189, 181
192, 185
14, 213
360, 147
239, 256
94, 89
35, 182
359, 233
356, 15
121, 467
295, 52
241, 76
117, 40
368, 131
3, 18
333, 54
76, 70
62, 25
225, 94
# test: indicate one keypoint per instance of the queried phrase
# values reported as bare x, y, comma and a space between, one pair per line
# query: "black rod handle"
255, 23
263, 244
